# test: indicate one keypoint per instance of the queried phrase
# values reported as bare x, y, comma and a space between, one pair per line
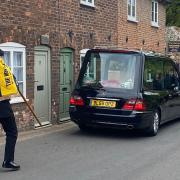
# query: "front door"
42, 84
65, 82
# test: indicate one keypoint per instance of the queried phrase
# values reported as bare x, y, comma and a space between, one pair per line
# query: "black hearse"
125, 89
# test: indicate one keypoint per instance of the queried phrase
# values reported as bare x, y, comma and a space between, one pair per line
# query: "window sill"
132, 20
155, 25
16, 100
88, 5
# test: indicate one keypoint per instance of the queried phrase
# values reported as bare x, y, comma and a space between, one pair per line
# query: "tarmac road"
68, 154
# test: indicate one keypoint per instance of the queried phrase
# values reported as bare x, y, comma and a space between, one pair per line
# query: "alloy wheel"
156, 122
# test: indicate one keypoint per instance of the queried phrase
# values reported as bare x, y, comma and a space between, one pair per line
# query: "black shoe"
11, 166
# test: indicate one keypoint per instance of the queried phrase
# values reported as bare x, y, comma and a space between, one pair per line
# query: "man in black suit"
8, 123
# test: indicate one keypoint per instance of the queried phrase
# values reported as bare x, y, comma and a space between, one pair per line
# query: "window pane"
129, 9
89, 1
18, 72
91, 70
133, 11
81, 60
7, 58
152, 6
156, 7
152, 16
156, 12
171, 76
17, 59
20, 86
111, 70
133, 2
155, 17
153, 75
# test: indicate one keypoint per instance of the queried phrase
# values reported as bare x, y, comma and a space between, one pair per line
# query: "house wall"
136, 32
69, 24
24, 21
90, 26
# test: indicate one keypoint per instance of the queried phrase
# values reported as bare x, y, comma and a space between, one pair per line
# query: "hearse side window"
91, 73
170, 76
153, 75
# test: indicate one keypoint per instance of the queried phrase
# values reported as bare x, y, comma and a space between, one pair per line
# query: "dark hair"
1, 52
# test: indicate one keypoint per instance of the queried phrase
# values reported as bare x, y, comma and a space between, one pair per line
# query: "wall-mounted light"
126, 39
91, 35
158, 43
70, 34
109, 36
143, 41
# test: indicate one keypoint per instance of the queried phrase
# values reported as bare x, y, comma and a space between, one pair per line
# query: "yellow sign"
102, 103
7, 83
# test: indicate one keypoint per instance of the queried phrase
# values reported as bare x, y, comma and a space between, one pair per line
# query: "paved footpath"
40, 132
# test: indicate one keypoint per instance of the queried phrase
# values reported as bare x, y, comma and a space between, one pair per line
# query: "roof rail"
114, 47
153, 53
106, 47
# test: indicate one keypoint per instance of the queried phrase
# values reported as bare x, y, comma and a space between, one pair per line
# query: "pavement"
25, 135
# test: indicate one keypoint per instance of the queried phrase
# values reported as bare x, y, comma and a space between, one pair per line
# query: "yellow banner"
7, 83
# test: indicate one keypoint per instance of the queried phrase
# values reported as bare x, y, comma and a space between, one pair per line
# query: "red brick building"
43, 41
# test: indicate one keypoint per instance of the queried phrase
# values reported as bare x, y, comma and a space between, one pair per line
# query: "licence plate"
102, 103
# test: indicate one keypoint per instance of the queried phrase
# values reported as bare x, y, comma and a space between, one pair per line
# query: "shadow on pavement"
7, 170
169, 124
124, 134
109, 133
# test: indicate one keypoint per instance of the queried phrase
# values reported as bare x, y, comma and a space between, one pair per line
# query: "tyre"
154, 127
83, 127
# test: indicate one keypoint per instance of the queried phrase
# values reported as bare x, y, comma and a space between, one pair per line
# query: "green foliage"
173, 13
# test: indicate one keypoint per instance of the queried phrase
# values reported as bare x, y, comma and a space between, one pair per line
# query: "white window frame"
130, 16
153, 13
85, 2
16, 47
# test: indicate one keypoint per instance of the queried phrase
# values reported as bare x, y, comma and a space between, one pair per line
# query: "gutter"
165, 1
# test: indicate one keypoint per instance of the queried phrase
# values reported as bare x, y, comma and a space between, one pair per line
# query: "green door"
42, 95
65, 82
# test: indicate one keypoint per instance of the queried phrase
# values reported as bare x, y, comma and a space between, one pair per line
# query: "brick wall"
90, 26
141, 31
23, 21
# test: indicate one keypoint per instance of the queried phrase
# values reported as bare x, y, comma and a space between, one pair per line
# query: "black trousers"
10, 128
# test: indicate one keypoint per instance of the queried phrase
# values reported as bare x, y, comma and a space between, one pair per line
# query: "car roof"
128, 51
114, 50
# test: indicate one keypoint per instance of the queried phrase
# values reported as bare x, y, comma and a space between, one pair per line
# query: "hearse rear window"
111, 70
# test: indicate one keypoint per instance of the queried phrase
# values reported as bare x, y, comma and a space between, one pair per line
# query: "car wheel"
154, 127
